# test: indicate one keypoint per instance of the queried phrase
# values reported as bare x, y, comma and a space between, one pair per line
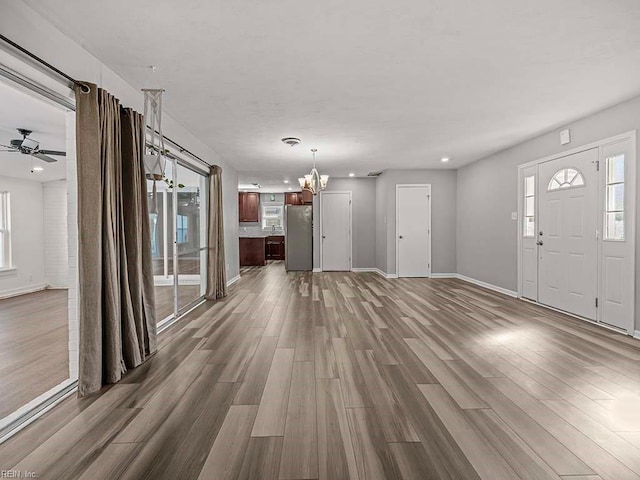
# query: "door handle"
400, 236
540, 243
323, 236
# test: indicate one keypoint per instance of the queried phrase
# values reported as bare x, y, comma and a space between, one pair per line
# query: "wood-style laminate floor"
34, 346
349, 375
164, 296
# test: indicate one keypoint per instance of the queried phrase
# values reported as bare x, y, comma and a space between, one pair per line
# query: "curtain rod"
43, 62
180, 148
86, 89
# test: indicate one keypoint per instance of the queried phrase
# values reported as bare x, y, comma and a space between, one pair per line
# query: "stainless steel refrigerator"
298, 231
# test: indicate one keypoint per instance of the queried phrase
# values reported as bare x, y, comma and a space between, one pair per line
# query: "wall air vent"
374, 174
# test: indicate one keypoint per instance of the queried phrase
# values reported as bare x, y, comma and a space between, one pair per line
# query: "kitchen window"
272, 216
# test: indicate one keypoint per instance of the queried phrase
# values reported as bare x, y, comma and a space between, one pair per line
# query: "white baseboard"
57, 287
14, 292
233, 280
637, 334
383, 274
316, 270
444, 275
360, 270
489, 286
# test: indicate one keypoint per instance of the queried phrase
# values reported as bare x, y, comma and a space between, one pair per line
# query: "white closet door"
413, 227
335, 210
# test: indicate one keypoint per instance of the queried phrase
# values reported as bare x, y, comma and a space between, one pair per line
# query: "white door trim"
631, 135
322, 194
627, 136
398, 186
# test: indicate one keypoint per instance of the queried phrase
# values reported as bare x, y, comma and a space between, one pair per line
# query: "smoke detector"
291, 141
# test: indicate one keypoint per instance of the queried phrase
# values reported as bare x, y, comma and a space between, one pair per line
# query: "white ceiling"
22, 110
372, 84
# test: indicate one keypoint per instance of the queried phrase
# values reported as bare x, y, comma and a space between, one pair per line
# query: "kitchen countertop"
261, 235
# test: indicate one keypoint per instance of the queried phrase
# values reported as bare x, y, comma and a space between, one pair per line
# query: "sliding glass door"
178, 223
191, 237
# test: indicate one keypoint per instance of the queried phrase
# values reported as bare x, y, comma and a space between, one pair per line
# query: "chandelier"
313, 181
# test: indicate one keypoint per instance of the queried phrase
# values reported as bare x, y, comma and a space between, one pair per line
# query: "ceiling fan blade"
11, 149
43, 157
53, 152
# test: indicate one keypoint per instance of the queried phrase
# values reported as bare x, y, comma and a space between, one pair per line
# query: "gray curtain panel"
216, 275
117, 307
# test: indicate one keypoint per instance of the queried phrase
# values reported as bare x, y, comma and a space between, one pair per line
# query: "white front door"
413, 227
335, 231
568, 255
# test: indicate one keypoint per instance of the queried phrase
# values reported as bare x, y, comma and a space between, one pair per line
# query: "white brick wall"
72, 236
56, 252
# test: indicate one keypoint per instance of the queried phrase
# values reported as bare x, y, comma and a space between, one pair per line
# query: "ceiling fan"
28, 146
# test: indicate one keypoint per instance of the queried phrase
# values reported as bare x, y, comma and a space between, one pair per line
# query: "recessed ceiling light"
290, 188
444, 159
352, 174
286, 181
37, 169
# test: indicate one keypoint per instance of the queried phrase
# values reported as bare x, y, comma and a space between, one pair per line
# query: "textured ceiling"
372, 84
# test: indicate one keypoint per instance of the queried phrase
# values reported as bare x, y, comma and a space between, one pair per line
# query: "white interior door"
335, 231
413, 229
568, 255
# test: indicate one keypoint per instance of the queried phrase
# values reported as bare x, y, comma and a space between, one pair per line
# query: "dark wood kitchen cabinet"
248, 207
274, 247
252, 251
305, 197
292, 198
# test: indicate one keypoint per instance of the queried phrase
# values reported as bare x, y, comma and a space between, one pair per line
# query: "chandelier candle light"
314, 182
155, 160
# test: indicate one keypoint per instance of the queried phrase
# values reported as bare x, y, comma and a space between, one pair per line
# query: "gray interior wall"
230, 218
381, 223
487, 194
443, 216
363, 213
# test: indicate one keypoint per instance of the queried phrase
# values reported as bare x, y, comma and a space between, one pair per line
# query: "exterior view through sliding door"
178, 222
38, 244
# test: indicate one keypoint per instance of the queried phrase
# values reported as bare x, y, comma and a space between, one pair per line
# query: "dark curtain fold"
216, 275
117, 307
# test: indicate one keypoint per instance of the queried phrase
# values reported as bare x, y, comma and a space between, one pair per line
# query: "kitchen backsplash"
255, 229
